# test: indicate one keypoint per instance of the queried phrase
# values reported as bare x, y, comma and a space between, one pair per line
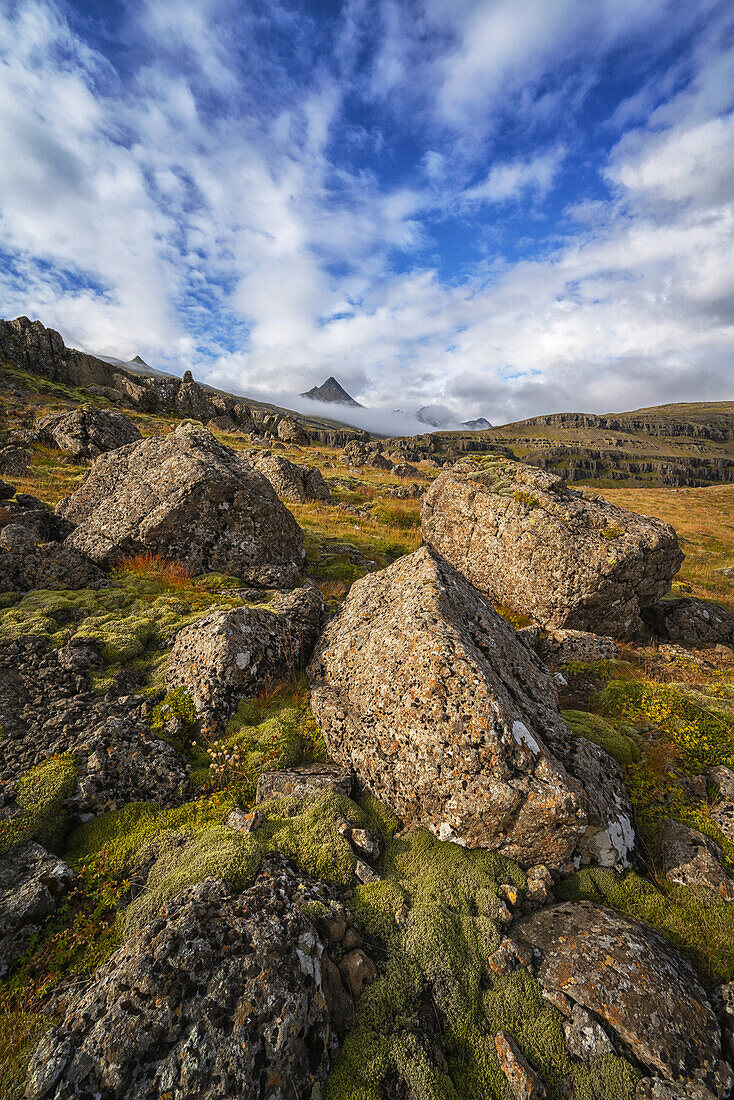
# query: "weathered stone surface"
722, 811
31, 884
422, 689
690, 621
567, 559
304, 780
88, 431
645, 994
290, 431
230, 654
524, 1082
585, 1037
29, 511
693, 859
14, 459
610, 836
220, 996
25, 564
560, 647
291, 481
188, 497
6, 491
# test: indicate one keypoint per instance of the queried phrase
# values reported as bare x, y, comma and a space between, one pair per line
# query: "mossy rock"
623, 746
40, 795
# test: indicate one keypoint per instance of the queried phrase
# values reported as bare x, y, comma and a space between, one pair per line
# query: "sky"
507, 207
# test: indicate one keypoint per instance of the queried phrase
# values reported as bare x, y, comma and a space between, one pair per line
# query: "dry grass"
704, 521
172, 575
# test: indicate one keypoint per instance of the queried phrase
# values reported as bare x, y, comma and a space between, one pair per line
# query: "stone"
28, 511
425, 692
645, 994
241, 822
561, 647
26, 564
220, 995
291, 481
524, 1082
357, 971
88, 431
610, 835
14, 459
190, 498
306, 779
585, 1037
690, 621
692, 859
567, 559
290, 431
231, 654
6, 491
32, 882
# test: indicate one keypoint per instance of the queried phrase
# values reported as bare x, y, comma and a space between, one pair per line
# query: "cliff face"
716, 426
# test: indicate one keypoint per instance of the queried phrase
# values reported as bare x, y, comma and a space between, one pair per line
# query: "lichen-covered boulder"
291, 481
303, 780
693, 859
221, 995
88, 431
565, 558
31, 884
26, 564
290, 431
645, 994
690, 621
234, 653
422, 689
14, 459
188, 497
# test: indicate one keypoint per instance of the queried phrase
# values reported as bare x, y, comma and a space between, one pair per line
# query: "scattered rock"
293, 482
6, 491
188, 497
231, 654
31, 884
567, 559
692, 859
690, 621
220, 995
422, 689
357, 971
645, 994
25, 564
14, 459
561, 647
28, 511
290, 431
88, 431
307, 779
241, 822
521, 1077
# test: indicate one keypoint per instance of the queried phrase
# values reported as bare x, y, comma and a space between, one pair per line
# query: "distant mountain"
136, 365
479, 425
437, 416
333, 391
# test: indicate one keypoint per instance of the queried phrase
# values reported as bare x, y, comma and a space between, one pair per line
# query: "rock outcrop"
292, 481
190, 498
230, 654
690, 621
88, 431
640, 989
26, 564
422, 689
224, 994
565, 558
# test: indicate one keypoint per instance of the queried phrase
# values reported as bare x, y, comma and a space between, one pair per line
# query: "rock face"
28, 511
230, 654
567, 559
693, 859
291, 481
290, 431
223, 995
88, 431
25, 564
304, 780
644, 993
689, 621
31, 884
422, 689
189, 498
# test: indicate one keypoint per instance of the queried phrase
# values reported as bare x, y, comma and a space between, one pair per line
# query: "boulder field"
563, 557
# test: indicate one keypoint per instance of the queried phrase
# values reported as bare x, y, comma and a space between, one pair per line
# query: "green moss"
525, 498
612, 532
697, 922
623, 746
448, 904
176, 704
19, 1034
40, 795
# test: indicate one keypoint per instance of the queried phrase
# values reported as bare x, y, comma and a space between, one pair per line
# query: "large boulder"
26, 564
190, 498
291, 481
646, 995
230, 654
693, 859
422, 689
690, 621
565, 558
222, 994
88, 431
31, 884
290, 431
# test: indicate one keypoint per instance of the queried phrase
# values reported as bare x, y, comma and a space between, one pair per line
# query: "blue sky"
503, 206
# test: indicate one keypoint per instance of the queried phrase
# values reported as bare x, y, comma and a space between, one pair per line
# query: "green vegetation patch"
40, 795
622, 745
436, 977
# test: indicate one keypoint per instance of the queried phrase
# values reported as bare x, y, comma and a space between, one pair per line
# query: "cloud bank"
503, 206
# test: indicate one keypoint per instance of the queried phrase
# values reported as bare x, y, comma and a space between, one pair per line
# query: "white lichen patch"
523, 736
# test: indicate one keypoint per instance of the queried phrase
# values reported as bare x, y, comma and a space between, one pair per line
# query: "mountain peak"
333, 391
